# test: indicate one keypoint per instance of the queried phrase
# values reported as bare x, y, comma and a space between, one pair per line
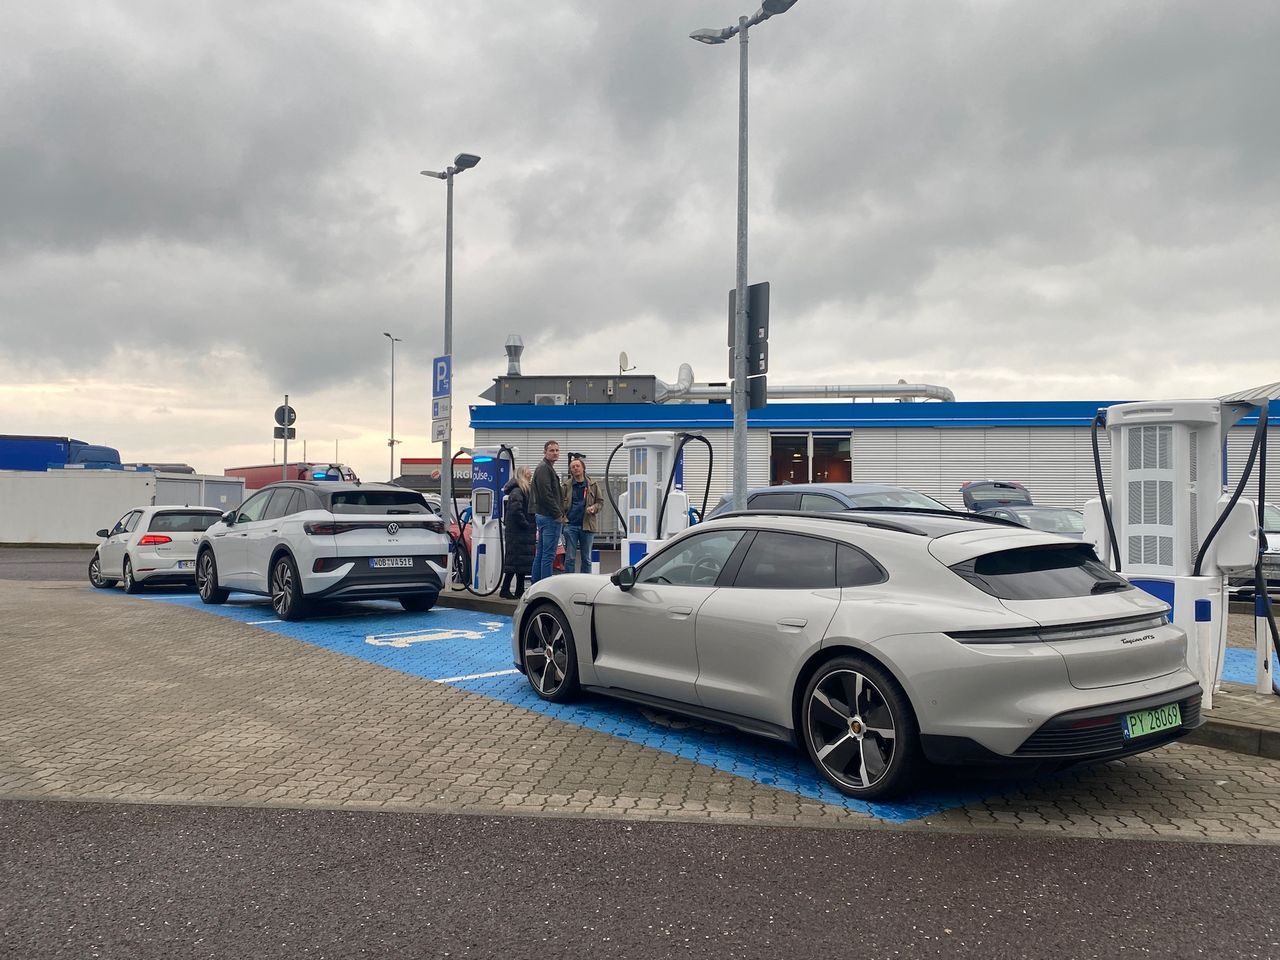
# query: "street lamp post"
768, 9
463, 161
393, 441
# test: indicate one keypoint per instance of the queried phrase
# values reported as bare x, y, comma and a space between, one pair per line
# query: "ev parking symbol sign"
442, 376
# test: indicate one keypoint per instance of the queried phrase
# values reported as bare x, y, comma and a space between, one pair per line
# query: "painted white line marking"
477, 676
254, 623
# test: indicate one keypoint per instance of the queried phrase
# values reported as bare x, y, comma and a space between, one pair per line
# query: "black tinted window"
772, 501
377, 501
182, 522
279, 505
1041, 573
784, 561
855, 569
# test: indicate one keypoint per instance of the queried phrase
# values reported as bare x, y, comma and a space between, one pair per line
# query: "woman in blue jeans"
582, 500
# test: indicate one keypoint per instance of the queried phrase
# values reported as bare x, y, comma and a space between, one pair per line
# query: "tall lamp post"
393, 441
463, 161
768, 9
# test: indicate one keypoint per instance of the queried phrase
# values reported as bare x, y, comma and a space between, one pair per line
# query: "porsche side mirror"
624, 579
103, 533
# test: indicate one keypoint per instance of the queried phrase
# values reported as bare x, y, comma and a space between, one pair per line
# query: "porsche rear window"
1048, 572
182, 522
377, 502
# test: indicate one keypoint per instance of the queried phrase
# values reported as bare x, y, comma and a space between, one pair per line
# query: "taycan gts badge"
1145, 636
393, 528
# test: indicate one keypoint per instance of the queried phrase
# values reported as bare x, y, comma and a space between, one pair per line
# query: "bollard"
1206, 651
595, 561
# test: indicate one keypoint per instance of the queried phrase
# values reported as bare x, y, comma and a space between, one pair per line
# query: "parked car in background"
301, 541
830, 498
979, 495
1063, 520
875, 640
1246, 587
150, 545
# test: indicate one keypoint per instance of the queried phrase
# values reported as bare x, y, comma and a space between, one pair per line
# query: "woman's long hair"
524, 478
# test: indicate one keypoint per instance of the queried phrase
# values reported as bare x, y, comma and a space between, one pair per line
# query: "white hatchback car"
301, 541
150, 545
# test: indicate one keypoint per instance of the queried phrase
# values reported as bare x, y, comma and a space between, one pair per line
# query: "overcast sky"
205, 205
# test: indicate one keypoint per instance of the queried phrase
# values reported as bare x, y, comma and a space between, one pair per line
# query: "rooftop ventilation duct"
514, 347
685, 389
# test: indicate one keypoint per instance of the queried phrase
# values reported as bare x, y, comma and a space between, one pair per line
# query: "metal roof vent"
514, 347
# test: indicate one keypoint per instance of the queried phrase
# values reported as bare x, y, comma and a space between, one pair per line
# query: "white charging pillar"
1167, 484
651, 461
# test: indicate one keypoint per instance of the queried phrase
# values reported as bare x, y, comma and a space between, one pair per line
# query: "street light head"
432, 173
465, 161
707, 35
775, 7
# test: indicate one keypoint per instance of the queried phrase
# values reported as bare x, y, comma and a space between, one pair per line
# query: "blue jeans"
548, 539
576, 539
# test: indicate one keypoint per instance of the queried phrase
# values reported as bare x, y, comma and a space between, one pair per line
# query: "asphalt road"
45, 563
137, 882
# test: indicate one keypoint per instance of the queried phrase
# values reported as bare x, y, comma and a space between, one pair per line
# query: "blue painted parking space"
472, 651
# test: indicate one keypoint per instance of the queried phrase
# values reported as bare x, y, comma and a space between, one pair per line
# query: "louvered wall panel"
1056, 463
1239, 440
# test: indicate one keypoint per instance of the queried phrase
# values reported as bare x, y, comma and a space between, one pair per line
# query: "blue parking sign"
442, 377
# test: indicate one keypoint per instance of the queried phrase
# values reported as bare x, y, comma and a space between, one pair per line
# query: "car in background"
150, 545
1060, 520
1246, 587
979, 495
302, 541
830, 498
875, 640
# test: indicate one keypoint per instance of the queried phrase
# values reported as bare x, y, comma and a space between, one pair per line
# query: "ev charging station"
491, 468
1171, 526
655, 505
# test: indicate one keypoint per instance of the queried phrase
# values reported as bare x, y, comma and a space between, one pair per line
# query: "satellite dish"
622, 362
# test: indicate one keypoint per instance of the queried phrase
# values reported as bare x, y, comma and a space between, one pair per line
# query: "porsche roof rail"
849, 517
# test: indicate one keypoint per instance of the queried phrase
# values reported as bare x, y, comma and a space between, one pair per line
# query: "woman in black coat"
519, 534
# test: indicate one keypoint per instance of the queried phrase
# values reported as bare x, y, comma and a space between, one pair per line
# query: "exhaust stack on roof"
514, 347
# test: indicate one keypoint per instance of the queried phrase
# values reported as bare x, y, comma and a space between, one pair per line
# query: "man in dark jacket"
548, 509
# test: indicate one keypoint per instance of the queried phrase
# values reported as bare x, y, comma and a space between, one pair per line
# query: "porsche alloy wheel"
859, 729
550, 661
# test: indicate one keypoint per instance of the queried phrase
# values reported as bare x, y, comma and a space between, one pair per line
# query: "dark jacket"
519, 531
546, 492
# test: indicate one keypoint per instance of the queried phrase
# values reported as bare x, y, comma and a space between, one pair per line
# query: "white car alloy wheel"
286, 590
550, 662
207, 579
95, 575
859, 729
130, 584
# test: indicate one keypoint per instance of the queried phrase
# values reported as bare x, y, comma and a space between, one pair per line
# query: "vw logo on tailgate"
393, 528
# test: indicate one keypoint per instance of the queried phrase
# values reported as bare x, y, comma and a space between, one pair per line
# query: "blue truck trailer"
44, 453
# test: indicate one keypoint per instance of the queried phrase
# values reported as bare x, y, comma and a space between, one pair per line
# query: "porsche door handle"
792, 624
679, 613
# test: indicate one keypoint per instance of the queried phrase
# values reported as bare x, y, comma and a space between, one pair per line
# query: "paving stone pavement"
108, 698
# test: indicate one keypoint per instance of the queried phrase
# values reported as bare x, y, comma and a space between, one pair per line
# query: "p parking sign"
442, 377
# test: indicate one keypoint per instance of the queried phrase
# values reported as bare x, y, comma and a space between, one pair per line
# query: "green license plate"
1142, 722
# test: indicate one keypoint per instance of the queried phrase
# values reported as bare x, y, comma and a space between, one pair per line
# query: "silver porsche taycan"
877, 640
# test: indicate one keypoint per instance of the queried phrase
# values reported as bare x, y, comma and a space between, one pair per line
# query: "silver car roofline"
852, 515
842, 517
